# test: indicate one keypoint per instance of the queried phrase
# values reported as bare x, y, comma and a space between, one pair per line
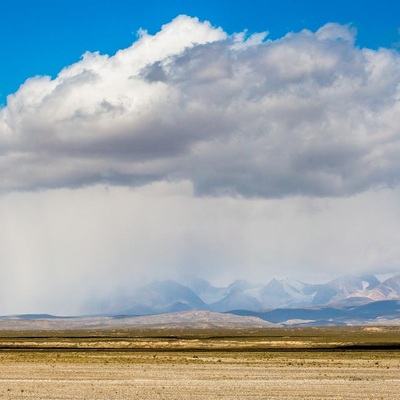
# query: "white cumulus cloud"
308, 114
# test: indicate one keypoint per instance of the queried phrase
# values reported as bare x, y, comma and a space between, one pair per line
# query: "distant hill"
179, 320
385, 312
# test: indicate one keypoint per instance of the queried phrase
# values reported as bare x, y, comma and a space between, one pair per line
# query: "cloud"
309, 114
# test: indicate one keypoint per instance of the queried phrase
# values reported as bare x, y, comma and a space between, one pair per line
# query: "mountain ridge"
192, 293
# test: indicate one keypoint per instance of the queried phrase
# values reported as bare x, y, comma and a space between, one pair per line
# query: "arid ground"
302, 363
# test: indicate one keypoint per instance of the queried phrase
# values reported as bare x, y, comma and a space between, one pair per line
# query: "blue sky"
40, 37
194, 147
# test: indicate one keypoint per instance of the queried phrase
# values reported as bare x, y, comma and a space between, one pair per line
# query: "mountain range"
194, 302
335, 302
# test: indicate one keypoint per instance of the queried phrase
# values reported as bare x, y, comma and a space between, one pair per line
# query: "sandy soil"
200, 375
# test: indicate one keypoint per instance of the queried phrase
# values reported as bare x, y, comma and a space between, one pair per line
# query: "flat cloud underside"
310, 114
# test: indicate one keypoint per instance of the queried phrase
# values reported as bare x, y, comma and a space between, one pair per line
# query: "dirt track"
191, 375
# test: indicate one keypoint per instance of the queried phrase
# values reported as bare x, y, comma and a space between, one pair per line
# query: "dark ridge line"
112, 338
118, 338
391, 346
349, 348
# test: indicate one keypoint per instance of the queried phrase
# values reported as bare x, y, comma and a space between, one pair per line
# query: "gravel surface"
200, 376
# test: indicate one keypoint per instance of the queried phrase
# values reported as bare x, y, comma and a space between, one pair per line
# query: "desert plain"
275, 363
